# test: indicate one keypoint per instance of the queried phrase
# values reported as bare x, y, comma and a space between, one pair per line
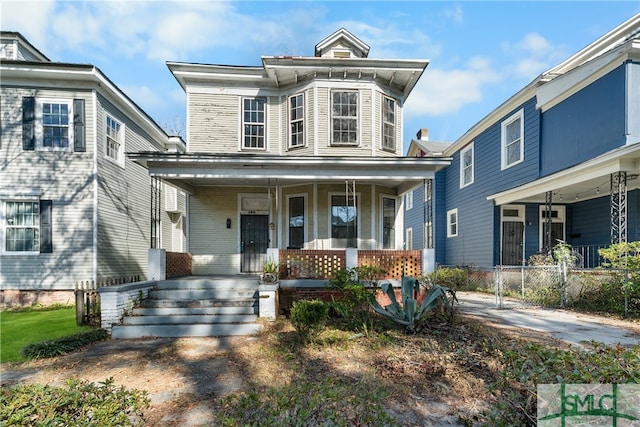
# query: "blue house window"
452, 223
513, 140
466, 166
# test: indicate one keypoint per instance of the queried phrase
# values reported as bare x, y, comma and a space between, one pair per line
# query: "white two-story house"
73, 208
301, 152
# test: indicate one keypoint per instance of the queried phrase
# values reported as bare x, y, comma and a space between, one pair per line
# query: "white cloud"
29, 18
440, 92
455, 13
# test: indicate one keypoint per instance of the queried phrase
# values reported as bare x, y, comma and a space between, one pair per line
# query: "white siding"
214, 123
63, 177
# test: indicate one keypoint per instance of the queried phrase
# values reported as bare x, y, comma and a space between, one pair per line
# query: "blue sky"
480, 52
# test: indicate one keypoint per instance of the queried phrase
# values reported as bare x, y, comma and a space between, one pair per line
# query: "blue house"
557, 161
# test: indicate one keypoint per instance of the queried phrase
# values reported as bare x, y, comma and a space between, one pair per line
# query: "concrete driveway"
574, 328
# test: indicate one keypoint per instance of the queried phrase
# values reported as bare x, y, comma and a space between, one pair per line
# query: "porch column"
618, 207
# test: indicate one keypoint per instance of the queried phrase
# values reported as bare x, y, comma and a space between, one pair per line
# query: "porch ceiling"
587, 180
191, 170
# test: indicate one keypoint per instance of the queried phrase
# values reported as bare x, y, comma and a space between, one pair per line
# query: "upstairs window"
388, 124
53, 124
466, 166
408, 201
344, 118
296, 120
253, 122
513, 140
114, 146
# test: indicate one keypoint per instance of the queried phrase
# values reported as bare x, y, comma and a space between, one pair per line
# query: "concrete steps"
195, 307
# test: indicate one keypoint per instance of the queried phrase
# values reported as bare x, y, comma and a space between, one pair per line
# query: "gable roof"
21, 49
342, 39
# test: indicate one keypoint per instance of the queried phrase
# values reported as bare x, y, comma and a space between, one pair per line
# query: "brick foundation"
23, 298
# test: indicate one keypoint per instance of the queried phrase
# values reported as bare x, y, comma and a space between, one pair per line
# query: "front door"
512, 242
254, 241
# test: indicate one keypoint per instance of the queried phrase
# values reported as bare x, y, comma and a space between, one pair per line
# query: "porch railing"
321, 264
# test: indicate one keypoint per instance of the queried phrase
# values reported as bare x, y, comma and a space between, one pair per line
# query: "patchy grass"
20, 328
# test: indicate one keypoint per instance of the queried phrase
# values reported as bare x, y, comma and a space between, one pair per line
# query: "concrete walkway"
574, 328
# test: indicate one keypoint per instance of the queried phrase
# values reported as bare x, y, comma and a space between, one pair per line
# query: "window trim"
451, 212
385, 123
356, 118
305, 226
39, 124
408, 239
358, 218
243, 145
299, 120
122, 133
561, 218
503, 140
408, 200
468, 148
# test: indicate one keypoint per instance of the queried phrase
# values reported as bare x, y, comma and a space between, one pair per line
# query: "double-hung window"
344, 117
56, 132
388, 124
27, 226
296, 120
513, 140
452, 223
466, 165
50, 124
114, 147
408, 201
253, 122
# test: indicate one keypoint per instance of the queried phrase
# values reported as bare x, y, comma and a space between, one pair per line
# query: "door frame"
520, 217
252, 204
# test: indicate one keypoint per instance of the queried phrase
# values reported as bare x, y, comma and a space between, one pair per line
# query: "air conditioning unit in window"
171, 199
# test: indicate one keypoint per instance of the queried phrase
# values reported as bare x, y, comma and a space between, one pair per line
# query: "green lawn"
19, 328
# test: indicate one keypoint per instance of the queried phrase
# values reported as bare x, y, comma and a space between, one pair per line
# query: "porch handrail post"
351, 257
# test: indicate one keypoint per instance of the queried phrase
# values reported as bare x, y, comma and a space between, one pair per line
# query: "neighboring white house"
302, 152
73, 208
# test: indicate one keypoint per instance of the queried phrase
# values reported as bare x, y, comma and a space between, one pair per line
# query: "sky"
480, 53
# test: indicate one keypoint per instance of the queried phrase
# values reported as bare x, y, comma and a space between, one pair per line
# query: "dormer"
14, 47
342, 44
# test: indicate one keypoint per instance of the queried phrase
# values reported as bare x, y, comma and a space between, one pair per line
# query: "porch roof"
584, 181
190, 170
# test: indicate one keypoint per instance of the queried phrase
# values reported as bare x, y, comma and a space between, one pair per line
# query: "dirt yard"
438, 377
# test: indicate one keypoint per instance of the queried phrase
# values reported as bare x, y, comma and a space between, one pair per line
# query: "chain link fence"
594, 290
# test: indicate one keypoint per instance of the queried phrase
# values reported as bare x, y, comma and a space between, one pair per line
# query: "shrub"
59, 346
78, 403
357, 288
452, 278
309, 318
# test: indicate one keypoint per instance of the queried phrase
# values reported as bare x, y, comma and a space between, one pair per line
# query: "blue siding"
589, 222
440, 217
633, 100
414, 218
585, 125
478, 240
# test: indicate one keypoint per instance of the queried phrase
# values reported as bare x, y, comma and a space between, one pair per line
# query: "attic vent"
341, 54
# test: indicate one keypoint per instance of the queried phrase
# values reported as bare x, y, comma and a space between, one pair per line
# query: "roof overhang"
191, 170
584, 181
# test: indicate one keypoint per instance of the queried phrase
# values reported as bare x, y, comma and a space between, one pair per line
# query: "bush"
453, 278
357, 288
78, 403
60, 346
309, 318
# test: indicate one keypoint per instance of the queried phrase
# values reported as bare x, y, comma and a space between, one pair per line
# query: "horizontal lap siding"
591, 220
585, 125
213, 246
478, 237
214, 123
414, 219
63, 177
366, 121
124, 206
276, 124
